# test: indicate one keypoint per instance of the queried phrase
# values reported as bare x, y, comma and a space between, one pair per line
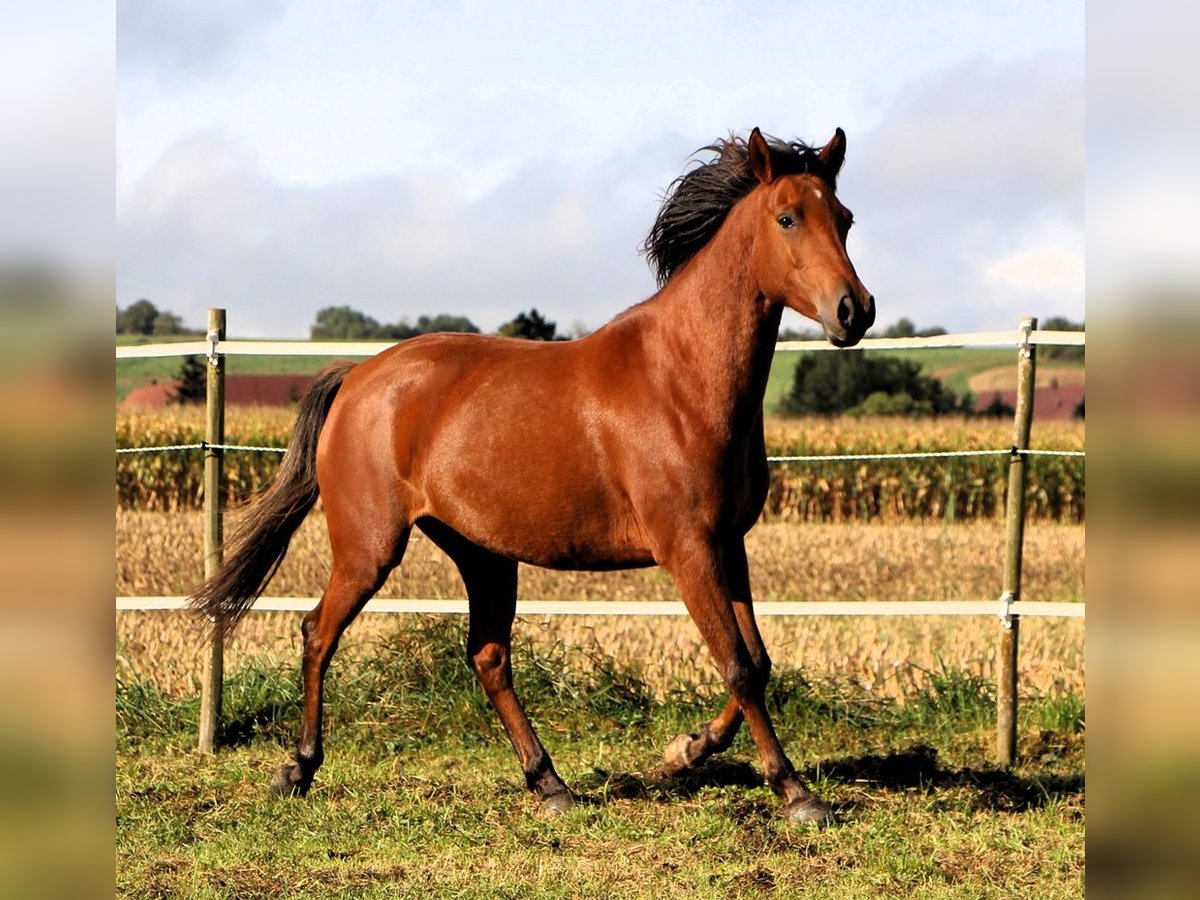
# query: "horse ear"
833, 154
760, 157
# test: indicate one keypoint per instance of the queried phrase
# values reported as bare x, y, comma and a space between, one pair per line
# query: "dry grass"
160, 554
897, 433
1004, 378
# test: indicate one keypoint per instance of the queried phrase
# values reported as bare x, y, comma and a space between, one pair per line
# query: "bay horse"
639, 444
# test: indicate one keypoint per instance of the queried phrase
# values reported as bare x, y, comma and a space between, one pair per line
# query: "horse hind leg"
357, 574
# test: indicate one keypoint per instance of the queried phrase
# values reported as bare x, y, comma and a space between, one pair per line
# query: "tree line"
334, 323
346, 323
143, 317
847, 382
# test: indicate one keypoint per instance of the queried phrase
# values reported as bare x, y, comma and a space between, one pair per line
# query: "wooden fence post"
214, 490
1010, 622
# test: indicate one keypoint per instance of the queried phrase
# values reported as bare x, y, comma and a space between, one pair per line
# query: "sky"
410, 158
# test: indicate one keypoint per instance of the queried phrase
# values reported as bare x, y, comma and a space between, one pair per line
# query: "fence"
1009, 608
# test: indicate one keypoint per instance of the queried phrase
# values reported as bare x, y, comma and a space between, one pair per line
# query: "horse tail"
261, 537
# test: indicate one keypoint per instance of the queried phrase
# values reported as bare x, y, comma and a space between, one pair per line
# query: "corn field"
965, 489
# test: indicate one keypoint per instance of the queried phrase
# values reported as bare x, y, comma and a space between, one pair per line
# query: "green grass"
420, 794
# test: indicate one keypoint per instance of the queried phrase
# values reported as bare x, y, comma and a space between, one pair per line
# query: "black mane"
697, 202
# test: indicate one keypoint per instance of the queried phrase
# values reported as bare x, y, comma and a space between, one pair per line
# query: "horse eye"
786, 221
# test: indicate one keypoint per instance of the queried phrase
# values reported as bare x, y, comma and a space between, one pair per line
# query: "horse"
638, 444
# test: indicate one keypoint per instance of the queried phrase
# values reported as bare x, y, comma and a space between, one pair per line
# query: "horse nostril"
845, 312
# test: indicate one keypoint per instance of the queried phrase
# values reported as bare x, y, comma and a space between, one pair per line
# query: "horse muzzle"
853, 318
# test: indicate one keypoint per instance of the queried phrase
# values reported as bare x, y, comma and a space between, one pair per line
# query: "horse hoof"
809, 811
675, 757
555, 804
283, 784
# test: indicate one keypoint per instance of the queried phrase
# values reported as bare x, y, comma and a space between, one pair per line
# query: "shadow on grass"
599, 787
916, 768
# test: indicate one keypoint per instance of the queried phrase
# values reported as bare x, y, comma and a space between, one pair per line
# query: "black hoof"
555, 804
290, 782
809, 811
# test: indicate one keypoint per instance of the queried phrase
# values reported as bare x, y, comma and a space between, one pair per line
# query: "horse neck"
720, 328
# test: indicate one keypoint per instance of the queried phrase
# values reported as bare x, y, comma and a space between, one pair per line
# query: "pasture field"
891, 719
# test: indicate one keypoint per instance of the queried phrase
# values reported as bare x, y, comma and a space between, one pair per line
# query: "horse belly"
555, 532
546, 508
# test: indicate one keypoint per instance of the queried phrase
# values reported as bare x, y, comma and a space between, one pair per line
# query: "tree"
829, 383
531, 326
137, 318
193, 382
167, 323
143, 317
344, 322
881, 404
1065, 354
998, 409
902, 329
444, 322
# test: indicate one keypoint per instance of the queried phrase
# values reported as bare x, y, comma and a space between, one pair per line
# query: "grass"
420, 795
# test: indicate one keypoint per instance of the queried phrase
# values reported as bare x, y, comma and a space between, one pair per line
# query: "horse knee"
746, 679
491, 665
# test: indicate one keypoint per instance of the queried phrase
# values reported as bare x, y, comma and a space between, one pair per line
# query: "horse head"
800, 256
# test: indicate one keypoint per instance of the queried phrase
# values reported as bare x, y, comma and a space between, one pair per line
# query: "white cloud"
207, 226
1039, 268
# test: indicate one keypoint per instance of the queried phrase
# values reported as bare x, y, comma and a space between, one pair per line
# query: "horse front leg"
697, 565
689, 750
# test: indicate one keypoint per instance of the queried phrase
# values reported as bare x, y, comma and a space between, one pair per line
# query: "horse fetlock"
783, 781
541, 778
